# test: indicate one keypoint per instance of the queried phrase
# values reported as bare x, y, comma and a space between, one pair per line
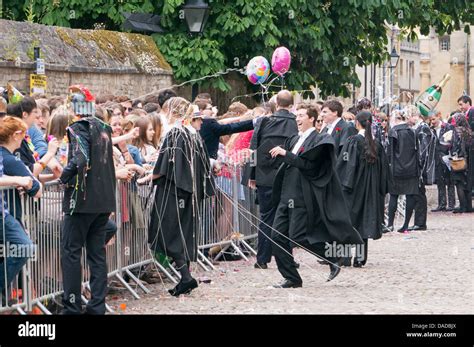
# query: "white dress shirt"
302, 138
332, 126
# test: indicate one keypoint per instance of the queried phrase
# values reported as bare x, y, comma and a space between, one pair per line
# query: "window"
401, 67
445, 43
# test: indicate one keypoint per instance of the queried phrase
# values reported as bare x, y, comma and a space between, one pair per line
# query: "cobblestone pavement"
420, 272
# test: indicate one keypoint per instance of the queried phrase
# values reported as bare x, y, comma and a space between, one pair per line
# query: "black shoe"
335, 268
297, 265
347, 262
183, 288
417, 228
459, 210
387, 228
358, 264
439, 209
323, 262
288, 284
449, 209
260, 266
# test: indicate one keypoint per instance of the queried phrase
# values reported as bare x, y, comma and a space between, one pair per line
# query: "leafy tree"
327, 39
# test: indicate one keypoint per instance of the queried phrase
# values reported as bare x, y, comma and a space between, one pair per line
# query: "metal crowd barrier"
224, 221
220, 230
14, 295
401, 206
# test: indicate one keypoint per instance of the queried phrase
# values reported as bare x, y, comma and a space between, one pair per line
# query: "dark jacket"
270, 132
403, 152
90, 174
426, 152
328, 217
341, 133
211, 130
441, 170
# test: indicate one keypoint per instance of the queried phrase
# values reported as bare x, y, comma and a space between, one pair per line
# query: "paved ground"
421, 272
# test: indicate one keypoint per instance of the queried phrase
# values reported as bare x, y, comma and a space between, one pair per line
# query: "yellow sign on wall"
37, 84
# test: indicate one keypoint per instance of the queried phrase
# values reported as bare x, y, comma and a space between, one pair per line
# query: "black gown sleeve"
347, 163
79, 146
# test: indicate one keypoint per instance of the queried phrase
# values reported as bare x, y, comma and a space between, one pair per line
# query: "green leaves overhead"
327, 38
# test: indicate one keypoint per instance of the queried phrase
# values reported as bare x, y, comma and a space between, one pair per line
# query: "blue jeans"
15, 236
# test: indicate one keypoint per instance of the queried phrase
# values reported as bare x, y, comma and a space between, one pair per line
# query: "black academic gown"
461, 147
442, 174
326, 217
426, 153
184, 169
341, 132
364, 185
404, 161
89, 175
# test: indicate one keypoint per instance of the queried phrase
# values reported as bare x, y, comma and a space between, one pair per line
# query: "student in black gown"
310, 207
338, 128
182, 177
363, 170
465, 106
461, 144
443, 180
426, 145
404, 170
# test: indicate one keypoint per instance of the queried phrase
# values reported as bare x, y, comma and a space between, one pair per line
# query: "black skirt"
405, 186
172, 226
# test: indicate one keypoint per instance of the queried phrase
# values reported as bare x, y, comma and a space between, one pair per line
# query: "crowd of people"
322, 174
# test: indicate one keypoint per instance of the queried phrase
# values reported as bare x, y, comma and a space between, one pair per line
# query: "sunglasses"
129, 109
319, 121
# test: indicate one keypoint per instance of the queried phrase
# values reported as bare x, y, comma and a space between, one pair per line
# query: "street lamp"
394, 57
196, 13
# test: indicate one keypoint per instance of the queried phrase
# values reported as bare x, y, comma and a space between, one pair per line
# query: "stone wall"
99, 82
104, 61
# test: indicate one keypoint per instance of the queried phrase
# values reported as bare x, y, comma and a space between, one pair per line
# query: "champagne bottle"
427, 101
14, 96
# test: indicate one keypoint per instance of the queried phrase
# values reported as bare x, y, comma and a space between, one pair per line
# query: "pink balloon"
281, 60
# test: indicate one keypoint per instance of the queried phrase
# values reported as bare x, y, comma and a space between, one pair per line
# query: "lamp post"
196, 13
394, 57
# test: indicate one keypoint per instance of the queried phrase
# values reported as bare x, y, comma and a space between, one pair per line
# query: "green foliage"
327, 38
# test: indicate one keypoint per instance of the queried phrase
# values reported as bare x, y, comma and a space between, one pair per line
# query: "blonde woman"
182, 177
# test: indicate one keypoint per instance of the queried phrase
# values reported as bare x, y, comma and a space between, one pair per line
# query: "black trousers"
392, 208
419, 204
267, 215
82, 229
282, 251
110, 229
421, 207
444, 202
464, 196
